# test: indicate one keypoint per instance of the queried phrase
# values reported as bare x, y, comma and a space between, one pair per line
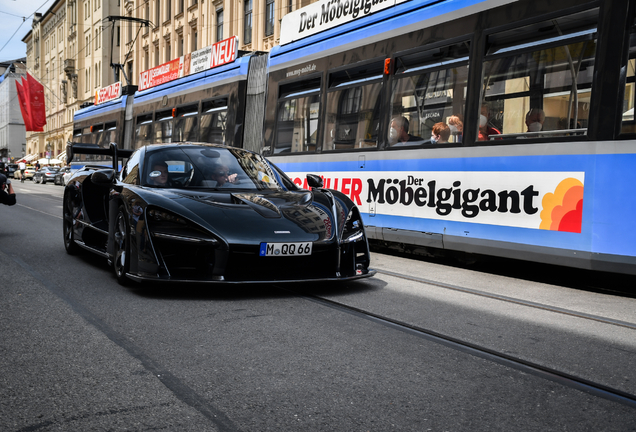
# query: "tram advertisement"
539, 200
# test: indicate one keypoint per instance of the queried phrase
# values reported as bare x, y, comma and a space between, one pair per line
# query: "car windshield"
206, 167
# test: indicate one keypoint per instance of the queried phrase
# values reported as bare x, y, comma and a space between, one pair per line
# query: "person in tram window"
485, 129
534, 119
456, 128
399, 132
440, 133
7, 195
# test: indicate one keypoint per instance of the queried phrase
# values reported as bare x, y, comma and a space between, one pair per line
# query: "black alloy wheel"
69, 236
121, 261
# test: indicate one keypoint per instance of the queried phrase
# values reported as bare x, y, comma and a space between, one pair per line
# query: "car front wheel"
69, 236
121, 262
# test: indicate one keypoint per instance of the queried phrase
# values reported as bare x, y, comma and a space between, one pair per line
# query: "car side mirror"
103, 177
314, 181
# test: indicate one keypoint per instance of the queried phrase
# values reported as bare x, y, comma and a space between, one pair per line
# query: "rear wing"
73, 148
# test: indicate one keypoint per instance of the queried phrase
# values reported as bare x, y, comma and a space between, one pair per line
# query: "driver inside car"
159, 175
221, 174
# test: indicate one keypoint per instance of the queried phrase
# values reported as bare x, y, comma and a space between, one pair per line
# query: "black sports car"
209, 213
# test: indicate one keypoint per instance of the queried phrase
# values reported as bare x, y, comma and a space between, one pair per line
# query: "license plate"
285, 249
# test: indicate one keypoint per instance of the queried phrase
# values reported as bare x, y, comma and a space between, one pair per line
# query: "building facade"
12, 130
71, 47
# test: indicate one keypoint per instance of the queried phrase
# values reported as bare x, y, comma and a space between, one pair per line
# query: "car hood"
251, 217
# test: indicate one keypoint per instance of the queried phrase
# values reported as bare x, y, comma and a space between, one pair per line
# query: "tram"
495, 127
207, 106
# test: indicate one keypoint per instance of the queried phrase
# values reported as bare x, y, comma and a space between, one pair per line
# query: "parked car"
45, 174
29, 172
63, 175
10, 169
208, 213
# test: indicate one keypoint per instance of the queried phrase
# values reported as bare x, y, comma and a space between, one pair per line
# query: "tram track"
527, 303
517, 363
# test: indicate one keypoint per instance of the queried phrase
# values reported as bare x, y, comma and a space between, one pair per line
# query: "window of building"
180, 46
130, 71
269, 17
181, 7
297, 118
219, 25
168, 9
157, 55
147, 16
429, 88
247, 22
539, 86
195, 42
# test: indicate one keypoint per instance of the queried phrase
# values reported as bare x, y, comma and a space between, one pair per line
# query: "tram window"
185, 128
143, 130
163, 126
538, 79
353, 107
629, 102
111, 133
86, 135
214, 121
429, 95
297, 120
97, 134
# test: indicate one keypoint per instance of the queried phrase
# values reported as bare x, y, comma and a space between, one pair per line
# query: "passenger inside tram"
485, 129
399, 132
440, 133
535, 119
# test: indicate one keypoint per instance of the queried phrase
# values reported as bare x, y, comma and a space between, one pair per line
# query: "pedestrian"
37, 166
7, 195
22, 168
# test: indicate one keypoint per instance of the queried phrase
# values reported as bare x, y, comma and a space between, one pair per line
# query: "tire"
121, 259
69, 236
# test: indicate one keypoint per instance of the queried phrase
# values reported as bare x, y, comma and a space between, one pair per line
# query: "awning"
45, 161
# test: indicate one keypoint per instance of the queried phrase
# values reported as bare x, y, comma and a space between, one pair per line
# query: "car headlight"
165, 225
353, 230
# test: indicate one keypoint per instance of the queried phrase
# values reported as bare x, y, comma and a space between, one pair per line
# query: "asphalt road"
79, 352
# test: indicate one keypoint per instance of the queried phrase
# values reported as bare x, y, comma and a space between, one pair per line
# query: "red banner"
37, 110
109, 93
23, 106
161, 74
